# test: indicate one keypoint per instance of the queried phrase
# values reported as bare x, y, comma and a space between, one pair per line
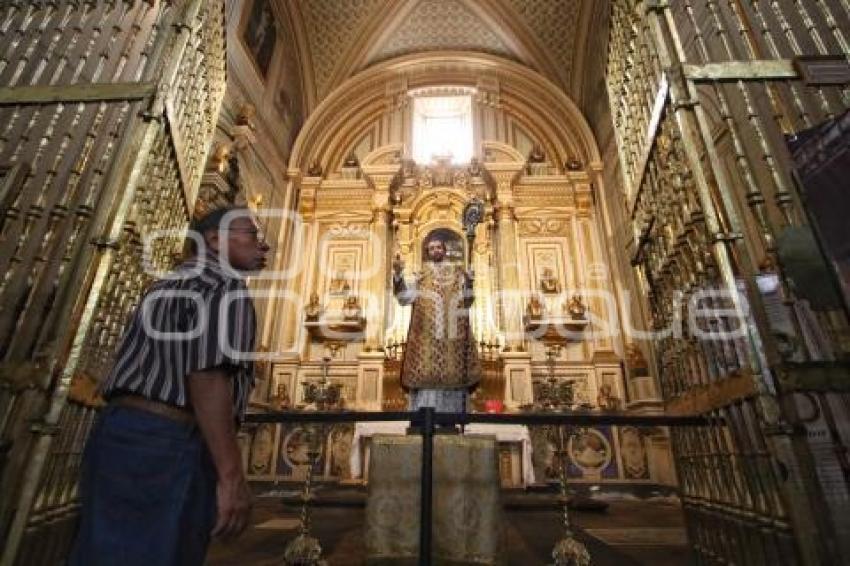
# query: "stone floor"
628, 532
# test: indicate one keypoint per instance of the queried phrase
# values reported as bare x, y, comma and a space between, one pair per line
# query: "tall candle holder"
304, 549
552, 394
568, 551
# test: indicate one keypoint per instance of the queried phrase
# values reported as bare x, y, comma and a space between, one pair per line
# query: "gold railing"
703, 95
102, 146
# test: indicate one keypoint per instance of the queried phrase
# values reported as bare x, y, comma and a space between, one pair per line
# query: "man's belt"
156, 407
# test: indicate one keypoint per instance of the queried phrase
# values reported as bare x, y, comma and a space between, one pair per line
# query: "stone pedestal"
466, 507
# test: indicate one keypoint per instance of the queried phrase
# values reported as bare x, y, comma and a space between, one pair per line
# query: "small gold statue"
313, 309
351, 160
351, 309
536, 155
281, 398
606, 400
246, 114
575, 308
534, 309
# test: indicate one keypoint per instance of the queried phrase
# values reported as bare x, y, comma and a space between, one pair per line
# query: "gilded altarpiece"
536, 241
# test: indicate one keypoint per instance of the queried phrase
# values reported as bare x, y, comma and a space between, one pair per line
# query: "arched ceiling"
339, 38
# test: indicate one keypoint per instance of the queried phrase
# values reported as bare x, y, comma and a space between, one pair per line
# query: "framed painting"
260, 35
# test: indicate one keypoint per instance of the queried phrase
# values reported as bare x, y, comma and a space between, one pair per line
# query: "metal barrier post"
426, 416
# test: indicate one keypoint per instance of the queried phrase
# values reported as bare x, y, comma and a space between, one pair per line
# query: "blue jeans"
148, 489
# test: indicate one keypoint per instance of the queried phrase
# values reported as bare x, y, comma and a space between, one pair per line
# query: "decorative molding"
545, 226
435, 25
554, 24
362, 100
332, 27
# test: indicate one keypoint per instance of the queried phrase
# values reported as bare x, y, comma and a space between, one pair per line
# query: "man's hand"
211, 393
234, 507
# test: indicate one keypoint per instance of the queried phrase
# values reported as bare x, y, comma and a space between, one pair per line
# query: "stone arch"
528, 97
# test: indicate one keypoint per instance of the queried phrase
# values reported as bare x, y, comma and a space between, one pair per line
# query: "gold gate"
106, 112
703, 94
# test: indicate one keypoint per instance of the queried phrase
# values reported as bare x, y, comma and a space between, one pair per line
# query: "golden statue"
440, 361
313, 309
351, 309
534, 310
575, 308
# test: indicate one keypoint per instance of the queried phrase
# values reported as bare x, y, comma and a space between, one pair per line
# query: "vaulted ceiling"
338, 38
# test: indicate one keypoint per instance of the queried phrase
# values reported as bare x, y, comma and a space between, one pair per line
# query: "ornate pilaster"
378, 253
509, 269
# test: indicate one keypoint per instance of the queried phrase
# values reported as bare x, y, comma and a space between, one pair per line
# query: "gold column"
511, 302
378, 255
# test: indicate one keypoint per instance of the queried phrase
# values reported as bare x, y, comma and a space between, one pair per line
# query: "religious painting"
543, 451
296, 446
591, 454
633, 454
454, 245
262, 448
339, 448
341, 269
339, 284
549, 281
260, 35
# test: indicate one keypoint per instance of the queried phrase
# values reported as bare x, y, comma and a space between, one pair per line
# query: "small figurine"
247, 113
572, 164
534, 310
351, 160
281, 398
313, 309
536, 155
315, 169
351, 308
606, 399
575, 308
220, 157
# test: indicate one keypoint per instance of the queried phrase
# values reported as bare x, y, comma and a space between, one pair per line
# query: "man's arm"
211, 395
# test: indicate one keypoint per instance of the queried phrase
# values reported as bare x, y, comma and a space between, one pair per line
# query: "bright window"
442, 127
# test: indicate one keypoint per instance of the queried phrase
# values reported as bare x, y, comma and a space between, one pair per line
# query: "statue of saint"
606, 400
351, 160
536, 155
313, 309
440, 363
576, 308
534, 309
351, 308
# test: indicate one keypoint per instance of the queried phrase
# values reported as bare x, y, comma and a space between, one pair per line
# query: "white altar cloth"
502, 432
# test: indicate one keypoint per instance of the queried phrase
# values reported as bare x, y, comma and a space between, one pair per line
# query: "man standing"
162, 471
440, 362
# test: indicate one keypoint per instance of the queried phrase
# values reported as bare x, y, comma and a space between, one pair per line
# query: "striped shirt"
198, 317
